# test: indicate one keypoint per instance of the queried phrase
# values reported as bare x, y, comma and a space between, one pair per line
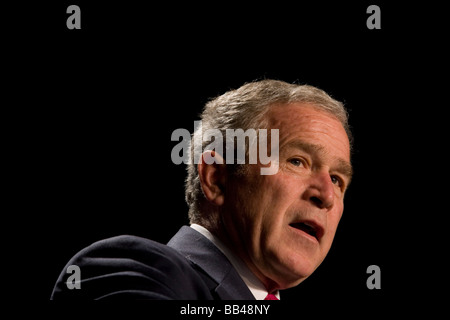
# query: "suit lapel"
227, 284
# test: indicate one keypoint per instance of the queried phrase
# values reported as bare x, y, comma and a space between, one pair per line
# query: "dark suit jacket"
189, 267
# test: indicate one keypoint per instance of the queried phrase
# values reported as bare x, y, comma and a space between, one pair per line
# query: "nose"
320, 191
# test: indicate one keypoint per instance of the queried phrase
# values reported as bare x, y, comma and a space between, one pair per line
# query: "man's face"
283, 225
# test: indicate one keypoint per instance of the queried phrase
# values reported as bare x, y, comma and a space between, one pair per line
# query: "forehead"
307, 123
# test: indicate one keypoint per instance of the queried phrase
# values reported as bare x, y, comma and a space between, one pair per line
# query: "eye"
296, 162
337, 181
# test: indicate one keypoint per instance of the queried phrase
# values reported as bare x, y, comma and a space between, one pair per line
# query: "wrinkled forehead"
310, 124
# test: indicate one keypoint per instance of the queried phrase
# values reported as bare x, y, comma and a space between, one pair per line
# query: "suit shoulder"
128, 266
129, 246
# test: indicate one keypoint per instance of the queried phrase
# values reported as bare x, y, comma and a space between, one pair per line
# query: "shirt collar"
253, 283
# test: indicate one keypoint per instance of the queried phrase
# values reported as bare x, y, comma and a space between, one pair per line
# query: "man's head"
281, 225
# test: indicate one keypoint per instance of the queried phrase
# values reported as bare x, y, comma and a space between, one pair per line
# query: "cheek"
265, 210
279, 197
252, 207
276, 214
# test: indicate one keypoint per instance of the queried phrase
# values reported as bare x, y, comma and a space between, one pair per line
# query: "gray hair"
245, 108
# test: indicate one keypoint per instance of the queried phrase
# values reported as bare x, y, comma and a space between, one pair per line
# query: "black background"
92, 112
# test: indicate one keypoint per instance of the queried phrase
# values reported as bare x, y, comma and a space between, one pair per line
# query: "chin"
286, 284
293, 271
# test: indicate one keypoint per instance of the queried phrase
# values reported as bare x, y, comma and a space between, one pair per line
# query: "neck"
232, 241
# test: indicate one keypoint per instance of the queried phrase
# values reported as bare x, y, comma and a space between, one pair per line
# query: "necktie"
271, 297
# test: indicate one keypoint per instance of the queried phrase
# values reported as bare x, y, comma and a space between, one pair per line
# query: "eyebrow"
344, 167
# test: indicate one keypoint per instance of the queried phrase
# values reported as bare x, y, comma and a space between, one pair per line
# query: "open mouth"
309, 228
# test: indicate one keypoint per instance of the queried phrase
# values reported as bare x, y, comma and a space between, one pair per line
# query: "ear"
212, 175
